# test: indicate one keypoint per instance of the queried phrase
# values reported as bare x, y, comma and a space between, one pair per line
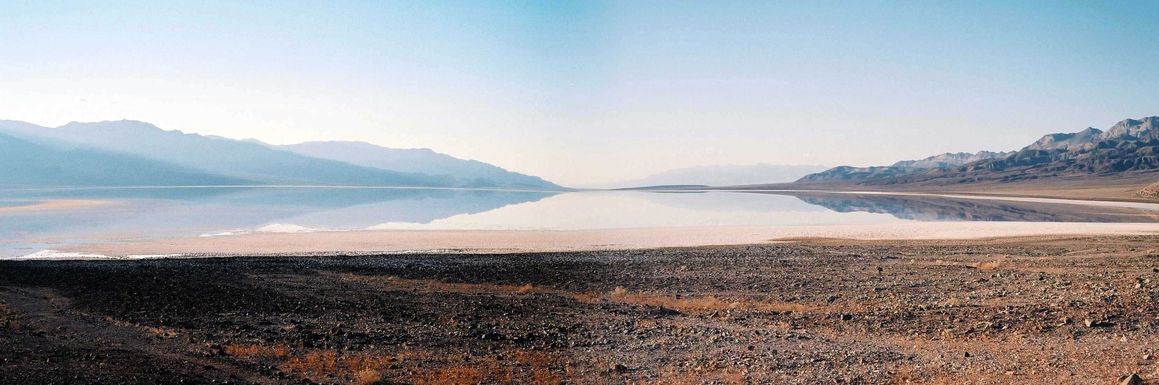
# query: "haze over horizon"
584, 93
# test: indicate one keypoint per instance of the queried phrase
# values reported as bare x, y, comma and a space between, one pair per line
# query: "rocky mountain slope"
901, 168
1129, 147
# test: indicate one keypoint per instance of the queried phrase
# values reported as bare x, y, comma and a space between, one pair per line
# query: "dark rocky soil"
1059, 310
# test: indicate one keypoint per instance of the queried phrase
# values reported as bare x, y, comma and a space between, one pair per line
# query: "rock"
1131, 379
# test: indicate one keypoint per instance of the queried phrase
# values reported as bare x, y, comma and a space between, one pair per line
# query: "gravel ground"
1027, 310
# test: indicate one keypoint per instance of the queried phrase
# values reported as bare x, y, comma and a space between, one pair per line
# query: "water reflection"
938, 208
149, 213
131, 214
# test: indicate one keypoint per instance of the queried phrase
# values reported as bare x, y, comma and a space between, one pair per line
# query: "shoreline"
532, 241
1143, 204
1114, 190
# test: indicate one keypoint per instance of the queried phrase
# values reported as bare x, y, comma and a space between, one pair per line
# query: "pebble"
1131, 379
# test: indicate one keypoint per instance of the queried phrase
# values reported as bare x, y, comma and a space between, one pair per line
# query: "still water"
37, 219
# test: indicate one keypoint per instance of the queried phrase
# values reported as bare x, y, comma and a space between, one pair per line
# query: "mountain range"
123, 153
1129, 149
901, 168
470, 173
29, 163
126, 152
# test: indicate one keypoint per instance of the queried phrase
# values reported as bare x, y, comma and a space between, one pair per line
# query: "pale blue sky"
591, 92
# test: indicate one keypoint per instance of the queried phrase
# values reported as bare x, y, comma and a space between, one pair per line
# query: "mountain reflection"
934, 208
153, 212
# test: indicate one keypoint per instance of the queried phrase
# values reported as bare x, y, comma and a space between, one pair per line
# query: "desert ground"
1033, 310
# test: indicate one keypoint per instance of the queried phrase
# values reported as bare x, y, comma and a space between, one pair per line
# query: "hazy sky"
589, 92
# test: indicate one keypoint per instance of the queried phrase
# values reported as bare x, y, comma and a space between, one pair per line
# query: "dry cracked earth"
1028, 311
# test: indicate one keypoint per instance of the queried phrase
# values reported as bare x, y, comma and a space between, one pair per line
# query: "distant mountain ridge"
1130, 146
472, 173
27, 163
721, 175
236, 161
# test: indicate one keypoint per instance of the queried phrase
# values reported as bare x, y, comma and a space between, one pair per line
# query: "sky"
584, 93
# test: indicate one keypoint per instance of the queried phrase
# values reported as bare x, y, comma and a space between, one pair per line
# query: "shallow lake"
37, 219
